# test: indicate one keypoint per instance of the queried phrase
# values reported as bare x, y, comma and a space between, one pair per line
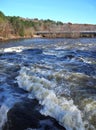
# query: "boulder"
26, 114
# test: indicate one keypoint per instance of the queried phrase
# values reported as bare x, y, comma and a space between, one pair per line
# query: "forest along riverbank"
14, 27
55, 78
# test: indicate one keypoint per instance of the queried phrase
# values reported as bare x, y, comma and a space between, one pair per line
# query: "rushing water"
59, 73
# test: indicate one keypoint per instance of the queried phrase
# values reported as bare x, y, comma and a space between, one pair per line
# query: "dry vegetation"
15, 27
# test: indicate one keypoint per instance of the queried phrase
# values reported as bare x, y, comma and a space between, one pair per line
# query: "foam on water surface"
15, 49
3, 115
58, 107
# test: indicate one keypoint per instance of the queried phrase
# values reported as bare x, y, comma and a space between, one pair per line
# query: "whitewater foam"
3, 115
15, 49
60, 108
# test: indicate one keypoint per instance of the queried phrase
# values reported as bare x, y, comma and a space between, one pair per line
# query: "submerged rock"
26, 115
32, 51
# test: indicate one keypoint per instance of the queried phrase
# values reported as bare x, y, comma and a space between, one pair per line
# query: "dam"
66, 34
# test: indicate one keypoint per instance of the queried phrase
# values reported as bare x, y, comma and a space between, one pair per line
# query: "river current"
59, 73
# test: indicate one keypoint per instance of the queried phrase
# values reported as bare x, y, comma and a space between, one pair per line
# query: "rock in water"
26, 115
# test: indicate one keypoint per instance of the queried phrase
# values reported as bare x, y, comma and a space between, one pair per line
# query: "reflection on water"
60, 73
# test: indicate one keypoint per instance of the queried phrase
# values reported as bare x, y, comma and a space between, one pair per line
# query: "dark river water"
59, 73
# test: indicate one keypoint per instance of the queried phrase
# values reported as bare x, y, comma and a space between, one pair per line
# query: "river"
59, 73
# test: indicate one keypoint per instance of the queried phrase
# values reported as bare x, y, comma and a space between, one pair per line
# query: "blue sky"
75, 11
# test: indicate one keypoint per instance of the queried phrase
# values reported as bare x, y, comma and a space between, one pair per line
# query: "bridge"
66, 34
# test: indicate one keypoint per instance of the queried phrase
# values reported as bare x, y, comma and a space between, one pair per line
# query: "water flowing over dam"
57, 75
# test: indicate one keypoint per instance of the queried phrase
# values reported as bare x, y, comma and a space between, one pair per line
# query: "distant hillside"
15, 27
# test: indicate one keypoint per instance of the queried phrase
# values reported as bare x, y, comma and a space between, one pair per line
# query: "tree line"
17, 26
24, 27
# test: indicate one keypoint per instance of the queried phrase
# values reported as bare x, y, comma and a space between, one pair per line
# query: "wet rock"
32, 51
69, 56
26, 115
1, 54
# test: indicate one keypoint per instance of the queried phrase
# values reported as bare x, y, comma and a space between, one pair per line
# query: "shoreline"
19, 37
2, 39
12, 38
